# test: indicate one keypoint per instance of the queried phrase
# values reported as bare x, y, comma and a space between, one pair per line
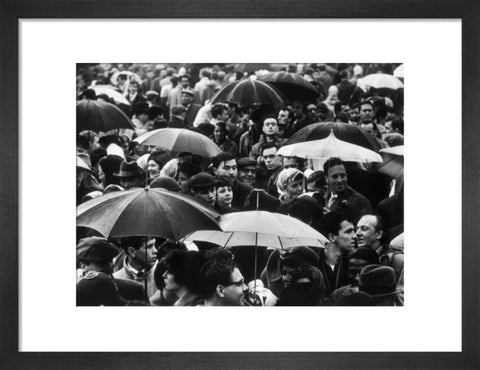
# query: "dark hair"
140, 108
331, 222
97, 154
185, 267
366, 254
155, 111
135, 242
305, 208
267, 145
186, 75
110, 164
221, 125
188, 168
334, 161
217, 109
366, 102
160, 157
216, 271
221, 182
222, 157
314, 274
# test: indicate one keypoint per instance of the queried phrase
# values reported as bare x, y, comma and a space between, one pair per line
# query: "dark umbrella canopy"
100, 116
294, 86
140, 212
343, 131
249, 91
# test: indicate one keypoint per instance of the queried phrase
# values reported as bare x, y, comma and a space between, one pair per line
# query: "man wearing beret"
96, 254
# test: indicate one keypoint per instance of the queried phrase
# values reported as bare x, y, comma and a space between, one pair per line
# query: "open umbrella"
180, 140
398, 72
130, 75
100, 116
141, 212
229, 239
330, 147
380, 81
392, 161
343, 131
249, 91
294, 86
111, 93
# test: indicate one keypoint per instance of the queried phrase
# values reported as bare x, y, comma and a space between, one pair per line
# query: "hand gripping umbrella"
100, 116
146, 212
180, 140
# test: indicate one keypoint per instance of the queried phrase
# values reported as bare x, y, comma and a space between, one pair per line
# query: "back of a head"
222, 157
217, 270
217, 109
185, 266
331, 222
305, 208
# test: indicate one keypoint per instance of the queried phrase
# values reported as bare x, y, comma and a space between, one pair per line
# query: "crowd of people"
358, 209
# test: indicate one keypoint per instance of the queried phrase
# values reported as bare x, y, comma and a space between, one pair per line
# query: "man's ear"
131, 251
332, 237
220, 291
380, 234
215, 169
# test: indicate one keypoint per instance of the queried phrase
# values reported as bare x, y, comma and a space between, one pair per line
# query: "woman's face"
224, 196
101, 176
170, 283
182, 179
219, 134
294, 189
153, 168
132, 88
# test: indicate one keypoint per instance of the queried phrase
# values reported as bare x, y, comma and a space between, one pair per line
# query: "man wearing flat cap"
131, 176
96, 254
247, 170
202, 187
191, 109
379, 282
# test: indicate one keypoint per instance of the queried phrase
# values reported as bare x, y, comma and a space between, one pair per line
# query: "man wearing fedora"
131, 176
379, 282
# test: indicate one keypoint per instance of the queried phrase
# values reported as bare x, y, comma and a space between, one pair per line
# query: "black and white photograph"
240, 184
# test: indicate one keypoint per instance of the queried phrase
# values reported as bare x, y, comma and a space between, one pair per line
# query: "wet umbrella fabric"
343, 131
398, 72
392, 161
249, 91
330, 147
130, 75
111, 93
180, 140
229, 239
100, 116
142, 212
294, 86
380, 81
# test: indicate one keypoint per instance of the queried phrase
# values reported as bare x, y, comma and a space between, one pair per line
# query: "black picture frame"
13, 10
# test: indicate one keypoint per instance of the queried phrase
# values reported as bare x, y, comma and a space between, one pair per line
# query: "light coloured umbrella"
380, 81
180, 140
130, 75
111, 93
392, 161
330, 147
398, 72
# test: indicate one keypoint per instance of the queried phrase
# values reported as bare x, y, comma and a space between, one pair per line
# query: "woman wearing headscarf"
290, 185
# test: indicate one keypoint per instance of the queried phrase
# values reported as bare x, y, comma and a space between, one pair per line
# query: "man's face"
185, 82
272, 160
146, 255
312, 112
287, 274
223, 116
366, 112
346, 238
337, 179
228, 170
186, 99
270, 127
233, 293
367, 235
247, 175
297, 108
355, 266
294, 189
206, 195
290, 162
132, 182
368, 127
224, 196
282, 117
143, 117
